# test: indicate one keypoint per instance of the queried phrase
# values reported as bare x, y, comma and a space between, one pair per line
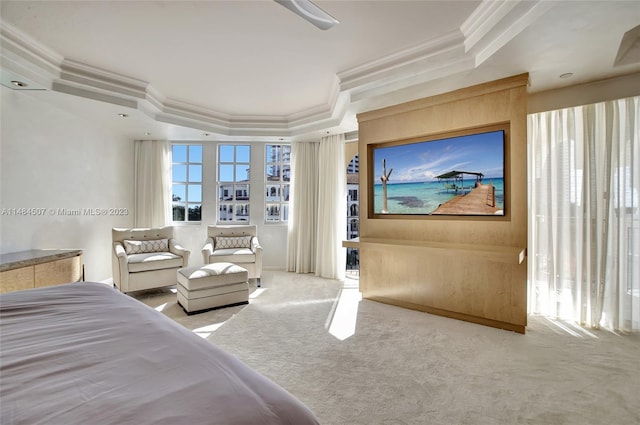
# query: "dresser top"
16, 260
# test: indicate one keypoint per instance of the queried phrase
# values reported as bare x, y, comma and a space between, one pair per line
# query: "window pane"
195, 212
226, 212
195, 173
178, 211
179, 173
179, 192
273, 173
242, 212
194, 193
286, 172
272, 153
273, 193
179, 153
242, 192
243, 153
225, 192
195, 153
226, 173
285, 212
226, 153
273, 212
242, 173
285, 192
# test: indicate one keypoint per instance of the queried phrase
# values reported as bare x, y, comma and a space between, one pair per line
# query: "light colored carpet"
407, 367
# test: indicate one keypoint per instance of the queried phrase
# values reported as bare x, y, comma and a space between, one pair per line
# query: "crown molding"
489, 27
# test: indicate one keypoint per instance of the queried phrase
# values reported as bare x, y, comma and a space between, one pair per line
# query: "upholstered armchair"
234, 244
146, 258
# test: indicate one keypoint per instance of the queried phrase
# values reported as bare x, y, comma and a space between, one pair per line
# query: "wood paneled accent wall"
469, 268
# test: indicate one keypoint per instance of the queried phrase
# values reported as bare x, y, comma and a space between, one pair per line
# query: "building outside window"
186, 175
277, 180
234, 173
353, 217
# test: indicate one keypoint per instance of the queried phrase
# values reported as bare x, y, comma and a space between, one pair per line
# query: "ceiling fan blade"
310, 12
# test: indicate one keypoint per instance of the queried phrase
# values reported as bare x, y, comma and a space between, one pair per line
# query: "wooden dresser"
39, 267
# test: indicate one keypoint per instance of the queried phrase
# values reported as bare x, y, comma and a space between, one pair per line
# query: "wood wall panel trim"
461, 94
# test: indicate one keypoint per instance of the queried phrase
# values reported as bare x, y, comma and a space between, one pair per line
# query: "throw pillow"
223, 242
143, 247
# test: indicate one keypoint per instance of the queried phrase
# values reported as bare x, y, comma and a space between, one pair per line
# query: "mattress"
84, 353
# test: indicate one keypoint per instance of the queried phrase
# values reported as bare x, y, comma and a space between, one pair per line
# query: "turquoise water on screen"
424, 198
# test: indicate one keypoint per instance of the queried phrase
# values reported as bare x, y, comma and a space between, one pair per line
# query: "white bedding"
83, 353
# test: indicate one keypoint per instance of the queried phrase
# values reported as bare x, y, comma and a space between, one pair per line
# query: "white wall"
53, 159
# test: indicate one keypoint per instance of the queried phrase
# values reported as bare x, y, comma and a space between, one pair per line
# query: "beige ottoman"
214, 285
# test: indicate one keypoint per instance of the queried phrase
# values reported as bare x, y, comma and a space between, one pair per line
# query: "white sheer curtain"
303, 223
332, 208
152, 183
584, 253
317, 220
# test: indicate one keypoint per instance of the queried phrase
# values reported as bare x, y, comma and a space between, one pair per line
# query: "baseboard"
451, 314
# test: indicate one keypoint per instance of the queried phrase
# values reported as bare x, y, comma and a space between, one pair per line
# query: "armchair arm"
120, 267
255, 245
119, 251
207, 250
177, 249
257, 249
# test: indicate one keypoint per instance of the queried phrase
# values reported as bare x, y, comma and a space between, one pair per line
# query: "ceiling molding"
512, 21
483, 19
490, 26
90, 76
400, 61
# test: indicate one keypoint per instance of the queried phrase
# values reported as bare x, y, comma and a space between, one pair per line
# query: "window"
278, 176
186, 174
353, 224
234, 172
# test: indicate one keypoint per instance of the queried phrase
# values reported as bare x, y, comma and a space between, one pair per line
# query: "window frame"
187, 182
282, 186
239, 192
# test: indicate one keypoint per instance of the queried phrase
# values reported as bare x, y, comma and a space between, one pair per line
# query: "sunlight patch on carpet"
206, 331
571, 329
343, 322
257, 293
161, 307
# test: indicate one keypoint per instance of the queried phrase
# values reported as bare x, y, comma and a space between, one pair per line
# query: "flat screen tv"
460, 173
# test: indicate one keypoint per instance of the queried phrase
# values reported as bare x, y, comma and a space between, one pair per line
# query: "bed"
84, 353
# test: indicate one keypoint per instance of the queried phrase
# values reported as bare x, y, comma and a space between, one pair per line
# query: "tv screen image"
461, 175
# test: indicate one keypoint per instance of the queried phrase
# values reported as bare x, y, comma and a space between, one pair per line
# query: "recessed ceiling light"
566, 75
206, 134
123, 115
19, 83
146, 133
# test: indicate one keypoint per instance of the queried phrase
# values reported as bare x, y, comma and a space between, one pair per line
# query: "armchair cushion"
233, 255
145, 246
153, 261
225, 242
